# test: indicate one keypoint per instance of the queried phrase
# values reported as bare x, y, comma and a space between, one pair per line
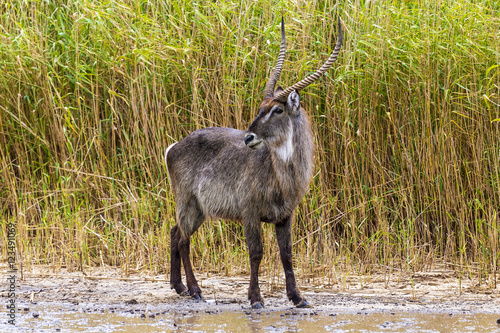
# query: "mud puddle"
50, 317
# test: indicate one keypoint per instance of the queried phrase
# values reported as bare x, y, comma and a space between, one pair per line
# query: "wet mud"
105, 302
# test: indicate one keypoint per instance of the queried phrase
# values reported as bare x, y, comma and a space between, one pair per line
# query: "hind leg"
193, 288
190, 218
175, 263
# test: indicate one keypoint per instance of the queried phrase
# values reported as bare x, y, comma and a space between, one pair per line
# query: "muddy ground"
102, 300
437, 292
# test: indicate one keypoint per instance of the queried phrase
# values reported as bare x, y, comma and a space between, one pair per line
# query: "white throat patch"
285, 151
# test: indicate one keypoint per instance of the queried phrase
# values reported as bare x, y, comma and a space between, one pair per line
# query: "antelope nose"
249, 138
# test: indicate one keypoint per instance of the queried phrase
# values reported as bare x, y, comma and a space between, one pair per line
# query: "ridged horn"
282, 97
269, 90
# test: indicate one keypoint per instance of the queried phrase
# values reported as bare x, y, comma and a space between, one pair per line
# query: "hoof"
303, 304
184, 293
197, 296
180, 289
257, 305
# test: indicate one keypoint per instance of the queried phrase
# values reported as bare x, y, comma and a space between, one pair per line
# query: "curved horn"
269, 91
282, 97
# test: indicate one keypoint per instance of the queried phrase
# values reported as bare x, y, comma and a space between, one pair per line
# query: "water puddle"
51, 318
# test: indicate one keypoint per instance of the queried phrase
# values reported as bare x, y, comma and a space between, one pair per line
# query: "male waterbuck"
251, 176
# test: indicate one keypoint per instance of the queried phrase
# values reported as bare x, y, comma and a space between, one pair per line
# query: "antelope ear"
293, 103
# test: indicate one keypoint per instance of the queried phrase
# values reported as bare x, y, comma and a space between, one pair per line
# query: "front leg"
254, 243
283, 234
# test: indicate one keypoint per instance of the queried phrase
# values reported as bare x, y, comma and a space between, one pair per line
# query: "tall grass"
406, 128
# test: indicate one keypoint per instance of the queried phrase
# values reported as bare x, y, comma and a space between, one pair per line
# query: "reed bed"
406, 127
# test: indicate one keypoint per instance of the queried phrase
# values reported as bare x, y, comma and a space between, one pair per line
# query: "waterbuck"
251, 176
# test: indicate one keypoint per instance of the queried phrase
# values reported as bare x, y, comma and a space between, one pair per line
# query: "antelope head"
276, 112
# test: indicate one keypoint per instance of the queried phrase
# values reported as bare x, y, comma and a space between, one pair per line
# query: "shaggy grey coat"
250, 176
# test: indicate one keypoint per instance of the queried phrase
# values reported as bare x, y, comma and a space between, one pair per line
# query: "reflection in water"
310, 320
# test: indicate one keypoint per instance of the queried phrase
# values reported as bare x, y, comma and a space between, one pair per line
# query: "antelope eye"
278, 111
